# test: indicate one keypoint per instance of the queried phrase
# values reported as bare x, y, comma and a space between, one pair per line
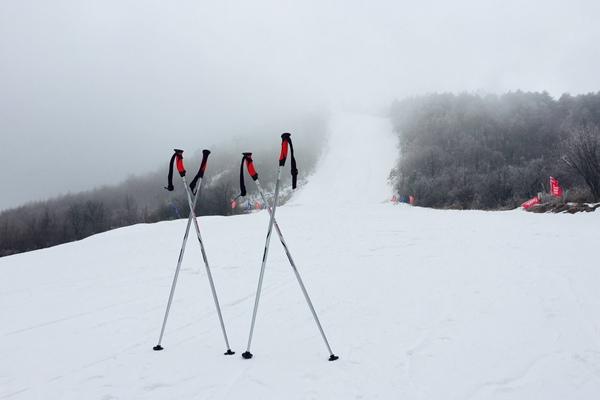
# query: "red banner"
531, 202
555, 189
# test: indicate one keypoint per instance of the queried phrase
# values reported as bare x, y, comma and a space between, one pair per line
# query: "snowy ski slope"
418, 303
359, 155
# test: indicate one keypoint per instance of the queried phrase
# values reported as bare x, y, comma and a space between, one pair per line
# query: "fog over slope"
93, 91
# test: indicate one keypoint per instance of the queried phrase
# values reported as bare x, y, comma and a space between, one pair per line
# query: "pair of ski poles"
192, 198
246, 159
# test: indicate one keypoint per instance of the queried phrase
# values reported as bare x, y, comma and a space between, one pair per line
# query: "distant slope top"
354, 168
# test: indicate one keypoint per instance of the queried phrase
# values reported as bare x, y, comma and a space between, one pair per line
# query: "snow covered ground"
418, 303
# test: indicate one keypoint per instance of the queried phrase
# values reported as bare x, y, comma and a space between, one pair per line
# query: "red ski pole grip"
179, 162
285, 139
250, 166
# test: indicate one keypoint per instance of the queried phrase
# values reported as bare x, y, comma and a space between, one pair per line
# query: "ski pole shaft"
296, 272
247, 159
178, 159
177, 269
206, 264
173, 286
263, 265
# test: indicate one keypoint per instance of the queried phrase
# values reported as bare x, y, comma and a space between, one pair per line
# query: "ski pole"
208, 273
170, 188
286, 140
247, 157
282, 159
178, 157
332, 357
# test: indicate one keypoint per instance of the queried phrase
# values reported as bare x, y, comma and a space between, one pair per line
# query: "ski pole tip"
229, 352
333, 357
158, 347
247, 355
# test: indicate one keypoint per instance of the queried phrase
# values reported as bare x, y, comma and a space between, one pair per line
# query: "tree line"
471, 151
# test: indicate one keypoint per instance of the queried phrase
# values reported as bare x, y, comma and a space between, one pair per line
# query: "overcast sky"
92, 91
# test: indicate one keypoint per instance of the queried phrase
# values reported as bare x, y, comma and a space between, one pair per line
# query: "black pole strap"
294, 170
200, 173
242, 184
286, 141
178, 155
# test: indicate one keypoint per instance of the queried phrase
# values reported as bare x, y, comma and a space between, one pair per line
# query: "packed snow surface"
418, 304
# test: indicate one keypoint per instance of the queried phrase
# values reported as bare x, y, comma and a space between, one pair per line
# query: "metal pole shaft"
205, 258
175, 277
264, 260
293, 265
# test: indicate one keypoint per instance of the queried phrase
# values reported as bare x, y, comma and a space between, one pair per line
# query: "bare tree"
76, 220
130, 211
96, 219
583, 155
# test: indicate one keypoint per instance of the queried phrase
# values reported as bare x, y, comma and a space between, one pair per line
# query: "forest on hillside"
471, 151
143, 199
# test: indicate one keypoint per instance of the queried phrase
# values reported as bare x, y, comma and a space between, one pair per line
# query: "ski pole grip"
286, 144
250, 166
176, 158
285, 141
179, 162
246, 158
205, 154
200, 173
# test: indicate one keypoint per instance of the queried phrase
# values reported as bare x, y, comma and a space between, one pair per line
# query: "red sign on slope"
531, 202
555, 189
